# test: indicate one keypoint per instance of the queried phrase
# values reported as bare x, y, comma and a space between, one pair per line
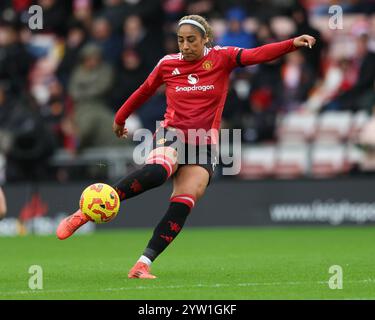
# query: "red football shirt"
196, 90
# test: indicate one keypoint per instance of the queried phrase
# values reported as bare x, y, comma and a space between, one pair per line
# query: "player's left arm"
269, 52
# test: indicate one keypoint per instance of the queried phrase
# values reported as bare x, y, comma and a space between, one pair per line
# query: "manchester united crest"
207, 65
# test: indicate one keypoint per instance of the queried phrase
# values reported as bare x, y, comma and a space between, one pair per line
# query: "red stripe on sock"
185, 195
187, 199
170, 161
163, 160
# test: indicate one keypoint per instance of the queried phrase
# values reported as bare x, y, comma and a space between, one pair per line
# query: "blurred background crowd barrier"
227, 203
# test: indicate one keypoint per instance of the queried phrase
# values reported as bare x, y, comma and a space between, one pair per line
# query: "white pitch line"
199, 285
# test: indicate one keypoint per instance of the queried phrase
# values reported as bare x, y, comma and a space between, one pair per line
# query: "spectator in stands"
340, 77
261, 124
83, 12
32, 143
114, 12
312, 57
265, 94
15, 61
55, 14
138, 38
5, 103
268, 75
200, 7
110, 43
236, 105
8, 108
150, 12
297, 80
170, 45
131, 73
360, 95
89, 85
57, 115
75, 40
236, 34
173, 9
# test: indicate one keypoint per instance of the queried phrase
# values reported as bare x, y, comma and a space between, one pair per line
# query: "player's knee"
196, 191
164, 156
164, 151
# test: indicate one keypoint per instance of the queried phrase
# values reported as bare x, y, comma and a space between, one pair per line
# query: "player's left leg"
189, 184
160, 165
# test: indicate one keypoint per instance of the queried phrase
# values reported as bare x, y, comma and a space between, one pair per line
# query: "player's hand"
304, 41
120, 131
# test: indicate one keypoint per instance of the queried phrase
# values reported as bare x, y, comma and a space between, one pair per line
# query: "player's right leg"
161, 163
189, 185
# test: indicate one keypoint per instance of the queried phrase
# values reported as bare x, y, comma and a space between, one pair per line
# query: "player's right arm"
140, 96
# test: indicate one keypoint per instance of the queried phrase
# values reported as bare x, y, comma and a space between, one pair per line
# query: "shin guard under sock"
170, 225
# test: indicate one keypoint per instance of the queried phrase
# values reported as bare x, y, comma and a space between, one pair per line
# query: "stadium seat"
334, 126
359, 120
328, 160
354, 156
296, 126
257, 162
291, 160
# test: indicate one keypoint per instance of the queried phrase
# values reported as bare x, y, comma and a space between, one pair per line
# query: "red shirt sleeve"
144, 92
268, 52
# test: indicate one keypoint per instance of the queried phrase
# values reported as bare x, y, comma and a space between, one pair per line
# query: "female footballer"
196, 82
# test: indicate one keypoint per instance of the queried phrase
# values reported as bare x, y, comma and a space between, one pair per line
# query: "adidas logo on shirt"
175, 72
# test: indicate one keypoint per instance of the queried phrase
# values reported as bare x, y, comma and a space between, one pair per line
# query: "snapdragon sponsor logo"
198, 146
195, 88
193, 79
332, 212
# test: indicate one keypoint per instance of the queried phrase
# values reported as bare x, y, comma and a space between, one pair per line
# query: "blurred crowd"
60, 86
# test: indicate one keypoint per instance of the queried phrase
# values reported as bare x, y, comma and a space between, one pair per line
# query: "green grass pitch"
210, 263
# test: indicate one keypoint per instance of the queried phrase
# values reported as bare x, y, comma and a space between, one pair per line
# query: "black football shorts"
205, 156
